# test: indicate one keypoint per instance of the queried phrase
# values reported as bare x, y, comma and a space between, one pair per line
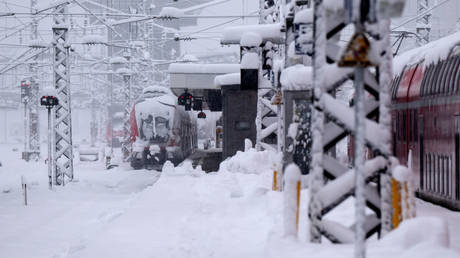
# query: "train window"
455, 79
398, 125
443, 175
427, 171
404, 126
438, 176
431, 172
448, 169
426, 79
440, 75
434, 78
409, 118
451, 74
415, 125
445, 74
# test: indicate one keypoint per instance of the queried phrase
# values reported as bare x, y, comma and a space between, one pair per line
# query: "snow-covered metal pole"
386, 76
50, 150
316, 178
360, 248
63, 149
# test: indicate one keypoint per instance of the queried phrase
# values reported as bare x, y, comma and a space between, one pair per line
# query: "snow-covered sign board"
198, 76
267, 32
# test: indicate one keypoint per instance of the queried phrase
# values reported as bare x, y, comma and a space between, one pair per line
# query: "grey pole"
360, 127
50, 158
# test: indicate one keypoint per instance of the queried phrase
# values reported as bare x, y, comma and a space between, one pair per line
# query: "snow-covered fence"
292, 187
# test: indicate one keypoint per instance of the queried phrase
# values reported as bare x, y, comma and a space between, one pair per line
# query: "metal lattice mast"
265, 108
33, 119
63, 152
366, 120
423, 23
127, 106
316, 181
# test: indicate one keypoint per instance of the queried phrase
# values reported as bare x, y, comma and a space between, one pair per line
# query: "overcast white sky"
444, 20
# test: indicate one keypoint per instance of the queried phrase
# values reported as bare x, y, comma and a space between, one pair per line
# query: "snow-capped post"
316, 177
292, 180
386, 9
386, 75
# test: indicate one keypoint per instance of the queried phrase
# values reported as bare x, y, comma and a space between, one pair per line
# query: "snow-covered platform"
183, 212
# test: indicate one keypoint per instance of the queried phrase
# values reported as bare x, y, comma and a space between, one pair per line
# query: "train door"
421, 152
457, 157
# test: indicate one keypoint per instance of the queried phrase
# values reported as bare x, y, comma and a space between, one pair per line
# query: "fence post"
292, 200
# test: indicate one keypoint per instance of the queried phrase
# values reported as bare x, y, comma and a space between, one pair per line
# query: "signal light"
49, 101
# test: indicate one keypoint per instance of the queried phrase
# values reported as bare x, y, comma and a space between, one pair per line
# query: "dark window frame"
447, 70
440, 75
433, 79
454, 70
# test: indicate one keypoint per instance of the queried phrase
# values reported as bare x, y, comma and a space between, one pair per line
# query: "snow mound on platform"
251, 162
412, 232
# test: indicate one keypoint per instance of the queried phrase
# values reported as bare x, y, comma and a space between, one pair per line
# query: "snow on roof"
251, 39
118, 60
171, 12
297, 77
429, 53
333, 5
304, 16
49, 91
268, 32
93, 39
124, 70
250, 61
228, 79
156, 90
189, 58
204, 68
37, 43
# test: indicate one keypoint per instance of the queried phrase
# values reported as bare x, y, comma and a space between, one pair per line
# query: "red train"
160, 130
426, 118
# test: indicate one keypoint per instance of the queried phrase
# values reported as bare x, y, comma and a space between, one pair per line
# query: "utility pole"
423, 23
31, 119
366, 120
63, 149
127, 97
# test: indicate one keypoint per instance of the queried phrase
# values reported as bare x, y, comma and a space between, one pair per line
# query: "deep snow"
183, 212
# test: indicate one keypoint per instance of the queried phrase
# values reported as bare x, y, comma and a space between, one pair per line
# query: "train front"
152, 120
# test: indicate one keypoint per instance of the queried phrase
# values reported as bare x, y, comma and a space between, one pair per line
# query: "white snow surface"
184, 212
251, 39
250, 61
93, 39
304, 16
204, 68
171, 12
268, 32
228, 79
118, 60
297, 77
49, 91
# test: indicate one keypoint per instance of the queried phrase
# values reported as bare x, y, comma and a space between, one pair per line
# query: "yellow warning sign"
356, 53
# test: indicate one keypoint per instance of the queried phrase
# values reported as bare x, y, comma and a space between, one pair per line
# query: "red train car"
426, 118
